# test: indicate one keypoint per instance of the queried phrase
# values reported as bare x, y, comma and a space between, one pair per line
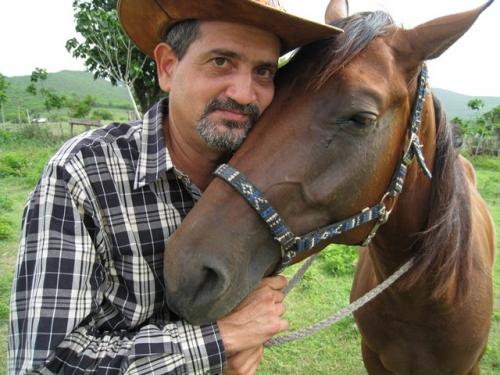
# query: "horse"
353, 132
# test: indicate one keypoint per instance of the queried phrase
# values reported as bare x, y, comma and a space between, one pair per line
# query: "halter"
292, 245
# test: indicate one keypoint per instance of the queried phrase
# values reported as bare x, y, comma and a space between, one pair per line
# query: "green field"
333, 351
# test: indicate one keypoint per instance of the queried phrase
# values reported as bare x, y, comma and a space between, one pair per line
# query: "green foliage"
5, 136
12, 164
53, 101
456, 104
101, 114
37, 79
81, 108
339, 260
482, 135
37, 86
33, 134
6, 230
3, 96
109, 53
475, 104
3, 89
5, 204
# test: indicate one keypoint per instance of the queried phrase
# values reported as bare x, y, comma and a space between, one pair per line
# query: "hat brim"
146, 21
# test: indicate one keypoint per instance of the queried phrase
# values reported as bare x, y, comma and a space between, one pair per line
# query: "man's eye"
220, 61
265, 72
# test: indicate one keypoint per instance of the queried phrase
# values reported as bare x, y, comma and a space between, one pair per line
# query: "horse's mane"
443, 248
331, 55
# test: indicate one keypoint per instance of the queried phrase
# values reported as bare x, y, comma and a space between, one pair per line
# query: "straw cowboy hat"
146, 21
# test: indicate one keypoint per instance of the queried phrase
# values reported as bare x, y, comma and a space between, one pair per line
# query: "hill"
455, 104
68, 83
82, 84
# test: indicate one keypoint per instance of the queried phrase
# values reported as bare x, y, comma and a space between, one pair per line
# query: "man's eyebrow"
225, 53
234, 55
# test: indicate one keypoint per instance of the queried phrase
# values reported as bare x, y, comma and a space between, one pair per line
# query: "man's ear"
166, 61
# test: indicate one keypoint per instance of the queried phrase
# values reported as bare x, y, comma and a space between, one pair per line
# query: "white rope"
299, 274
346, 311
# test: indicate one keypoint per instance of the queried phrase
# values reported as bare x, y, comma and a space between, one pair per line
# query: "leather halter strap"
292, 245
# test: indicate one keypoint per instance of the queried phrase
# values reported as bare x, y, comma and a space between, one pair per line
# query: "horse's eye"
365, 119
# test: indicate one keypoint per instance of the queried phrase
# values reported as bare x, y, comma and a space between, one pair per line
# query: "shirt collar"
154, 159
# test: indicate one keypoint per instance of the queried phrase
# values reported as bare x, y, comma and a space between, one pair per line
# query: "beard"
234, 132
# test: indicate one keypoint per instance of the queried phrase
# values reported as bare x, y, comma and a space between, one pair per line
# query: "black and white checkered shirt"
88, 293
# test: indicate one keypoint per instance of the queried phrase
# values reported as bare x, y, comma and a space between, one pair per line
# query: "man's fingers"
274, 282
283, 325
245, 362
280, 308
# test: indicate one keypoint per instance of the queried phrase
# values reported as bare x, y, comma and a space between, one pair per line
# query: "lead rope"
297, 276
346, 311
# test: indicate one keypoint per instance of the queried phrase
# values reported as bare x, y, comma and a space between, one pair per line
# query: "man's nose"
242, 89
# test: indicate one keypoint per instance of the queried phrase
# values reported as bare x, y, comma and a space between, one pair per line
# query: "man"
88, 290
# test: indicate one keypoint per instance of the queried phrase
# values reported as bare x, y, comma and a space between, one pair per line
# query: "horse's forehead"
376, 56
377, 67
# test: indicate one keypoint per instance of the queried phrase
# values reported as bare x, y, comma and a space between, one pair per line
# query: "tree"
110, 54
484, 131
3, 95
475, 104
80, 108
38, 78
37, 86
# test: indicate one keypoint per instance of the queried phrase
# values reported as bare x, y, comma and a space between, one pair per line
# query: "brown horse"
328, 147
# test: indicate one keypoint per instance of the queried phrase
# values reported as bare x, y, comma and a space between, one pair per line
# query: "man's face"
222, 84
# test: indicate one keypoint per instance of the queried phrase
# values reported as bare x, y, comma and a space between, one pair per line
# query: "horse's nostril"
213, 284
210, 279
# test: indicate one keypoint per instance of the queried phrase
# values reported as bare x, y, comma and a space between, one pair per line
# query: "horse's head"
325, 149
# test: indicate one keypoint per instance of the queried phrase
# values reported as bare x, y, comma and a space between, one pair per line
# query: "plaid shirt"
88, 293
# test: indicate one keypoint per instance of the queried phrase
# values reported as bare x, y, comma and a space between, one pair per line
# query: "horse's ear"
335, 10
431, 39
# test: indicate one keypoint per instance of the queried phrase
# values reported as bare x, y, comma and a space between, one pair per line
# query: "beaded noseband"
292, 245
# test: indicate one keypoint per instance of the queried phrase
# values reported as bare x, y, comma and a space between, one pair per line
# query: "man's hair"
181, 35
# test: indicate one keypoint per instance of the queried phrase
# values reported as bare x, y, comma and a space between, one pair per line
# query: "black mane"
330, 55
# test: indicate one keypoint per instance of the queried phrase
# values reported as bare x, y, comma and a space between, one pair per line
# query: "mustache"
251, 110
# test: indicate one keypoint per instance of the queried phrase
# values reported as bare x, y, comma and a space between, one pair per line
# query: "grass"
324, 290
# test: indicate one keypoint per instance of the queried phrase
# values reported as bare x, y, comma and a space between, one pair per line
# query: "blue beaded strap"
291, 245
310, 240
256, 199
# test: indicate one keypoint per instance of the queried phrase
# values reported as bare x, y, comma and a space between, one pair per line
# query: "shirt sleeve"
58, 284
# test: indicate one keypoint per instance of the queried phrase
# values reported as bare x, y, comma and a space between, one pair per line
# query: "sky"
33, 33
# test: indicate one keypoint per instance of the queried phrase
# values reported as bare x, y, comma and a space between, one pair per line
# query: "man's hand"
256, 319
252, 323
245, 362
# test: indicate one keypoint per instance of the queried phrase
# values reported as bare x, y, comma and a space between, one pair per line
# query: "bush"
5, 229
339, 260
5, 204
13, 164
29, 133
5, 136
101, 114
36, 133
